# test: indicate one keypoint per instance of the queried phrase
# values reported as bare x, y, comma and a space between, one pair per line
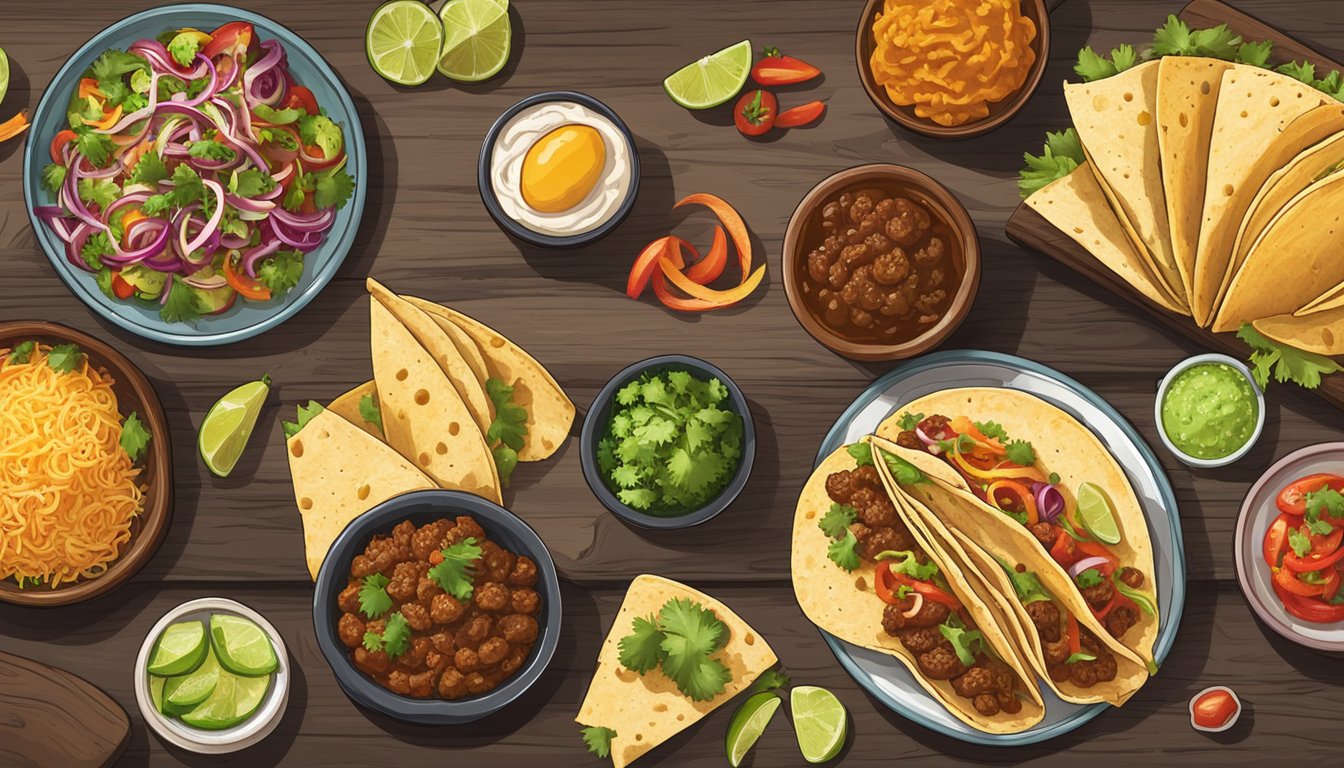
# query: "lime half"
228, 425
4, 74
748, 724
1094, 511
186, 691
712, 80
234, 700
242, 647
403, 41
180, 649
819, 722
477, 39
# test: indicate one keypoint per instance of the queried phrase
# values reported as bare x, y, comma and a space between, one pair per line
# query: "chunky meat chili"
883, 267
917, 622
422, 640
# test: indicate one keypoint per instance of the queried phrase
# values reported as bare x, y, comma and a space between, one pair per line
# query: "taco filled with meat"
866, 572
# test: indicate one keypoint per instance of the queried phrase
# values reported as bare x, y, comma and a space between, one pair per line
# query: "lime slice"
242, 647
477, 39
156, 691
234, 700
228, 425
4, 74
819, 721
179, 650
187, 691
403, 41
1094, 511
748, 724
712, 80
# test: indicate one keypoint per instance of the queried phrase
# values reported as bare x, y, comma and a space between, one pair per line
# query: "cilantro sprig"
681, 642
908, 420
134, 437
370, 411
1287, 363
456, 574
508, 432
1063, 152
598, 740
373, 598
63, 358
305, 415
22, 352
1324, 501
395, 638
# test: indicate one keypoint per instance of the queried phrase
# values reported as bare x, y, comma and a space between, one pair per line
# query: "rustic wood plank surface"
426, 231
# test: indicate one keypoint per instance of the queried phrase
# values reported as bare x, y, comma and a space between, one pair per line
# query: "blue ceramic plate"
245, 319
890, 682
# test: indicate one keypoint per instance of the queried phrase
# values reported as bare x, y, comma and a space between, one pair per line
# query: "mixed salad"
195, 170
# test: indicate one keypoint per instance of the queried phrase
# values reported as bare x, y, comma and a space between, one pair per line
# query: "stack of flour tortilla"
443, 410
1216, 190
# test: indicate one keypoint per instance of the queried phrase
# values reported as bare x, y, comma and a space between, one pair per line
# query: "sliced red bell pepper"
645, 265
1026, 502
775, 68
58, 143
247, 286
707, 270
1075, 642
1063, 550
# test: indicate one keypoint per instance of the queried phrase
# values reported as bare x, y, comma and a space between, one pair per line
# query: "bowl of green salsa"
1209, 410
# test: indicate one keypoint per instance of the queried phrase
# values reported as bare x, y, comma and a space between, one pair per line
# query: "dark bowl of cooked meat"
437, 608
881, 262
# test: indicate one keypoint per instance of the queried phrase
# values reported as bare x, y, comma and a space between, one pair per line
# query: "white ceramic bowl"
241, 736
1231, 721
1189, 362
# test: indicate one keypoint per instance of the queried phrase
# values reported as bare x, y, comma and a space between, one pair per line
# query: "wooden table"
425, 231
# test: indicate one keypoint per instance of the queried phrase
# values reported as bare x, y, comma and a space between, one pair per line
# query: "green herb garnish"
909, 421
508, 432
305, 415
1288, 363
370, 412
134, 437
455, 575
598, 740
64, 357
373, 598
22, 352
681, 641
1020, 452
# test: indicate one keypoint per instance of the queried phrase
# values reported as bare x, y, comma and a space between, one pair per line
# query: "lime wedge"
233, 701
748, 724
712, 80
403, 41
156, 691
242, 647
179, 650
4, 74
819, 722
187, 691
228, 425
477, 39
1094, 511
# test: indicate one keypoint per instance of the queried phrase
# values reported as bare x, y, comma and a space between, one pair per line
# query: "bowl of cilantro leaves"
668, 442
381, 664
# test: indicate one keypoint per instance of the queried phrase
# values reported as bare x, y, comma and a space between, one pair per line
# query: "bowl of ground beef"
881, 262
437, 608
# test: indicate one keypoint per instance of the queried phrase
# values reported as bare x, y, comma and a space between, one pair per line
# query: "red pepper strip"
1062, 551
931, 591
246, 286
665, 295
1117, 600
737, 229
882, 583
1276, 540
1013, 488
1075, 645
707, 270
716, 298
1307, 609
645, 265
964, 426
1288, 581
1297, 564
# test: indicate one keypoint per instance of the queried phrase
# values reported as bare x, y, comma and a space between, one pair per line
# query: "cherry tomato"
1214, 709
1331, 587
1293, 498
803, 114
120, 288
754, 114
301, 98
1276, 540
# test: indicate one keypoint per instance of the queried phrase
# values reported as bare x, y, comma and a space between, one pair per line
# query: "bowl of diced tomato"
1290, 547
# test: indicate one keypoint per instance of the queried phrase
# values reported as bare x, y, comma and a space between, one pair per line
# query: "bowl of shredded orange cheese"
84, 464
952, 68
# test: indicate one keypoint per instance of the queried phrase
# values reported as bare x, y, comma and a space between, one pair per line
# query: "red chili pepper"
795, 117
775, 68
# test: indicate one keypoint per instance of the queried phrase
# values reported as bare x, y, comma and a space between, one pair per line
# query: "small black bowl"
420, 507
599, 414
513, 227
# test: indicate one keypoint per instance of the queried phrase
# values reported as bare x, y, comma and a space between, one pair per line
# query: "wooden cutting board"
50, 718
1028, 228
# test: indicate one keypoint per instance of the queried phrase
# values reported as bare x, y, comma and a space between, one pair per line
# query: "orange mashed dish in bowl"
951, 59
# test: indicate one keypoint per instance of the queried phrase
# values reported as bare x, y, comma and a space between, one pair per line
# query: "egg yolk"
562, 168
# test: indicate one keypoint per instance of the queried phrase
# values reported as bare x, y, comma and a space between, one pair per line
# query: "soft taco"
1018, 466
866, 572
1060, 636
1320, 332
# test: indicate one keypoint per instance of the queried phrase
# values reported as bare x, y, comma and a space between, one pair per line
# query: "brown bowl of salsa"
881, 262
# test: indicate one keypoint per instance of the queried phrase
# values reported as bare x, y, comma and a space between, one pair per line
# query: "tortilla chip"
1076, 206
1187, 98
339, 473
1331, 299
441, 348
550, 414
845, 604
647, 710
1295, 261
1116, 119
1250, 141
423, 416
1320, 332
347, 407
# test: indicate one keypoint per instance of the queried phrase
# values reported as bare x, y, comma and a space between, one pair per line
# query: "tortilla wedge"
550, 414
1255, 132
1187, 98
424, 418
340, 472
1294, 262
647, 710
1320, 332
1063, 446
440, 346
1076, 206
832, 599
1116, 118
1331, 299
347, 407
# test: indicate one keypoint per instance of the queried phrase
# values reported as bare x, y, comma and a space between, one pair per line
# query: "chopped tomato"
1287, 580
14, 126
246, 286
1331, 587
754, 114
1306, 608
1063, 551
58, 143
1291, 562
1093, 549
796, 117
1214, 709
1293, 498
1276, 540
775, 68
301, 98
120, 288
233, 38
309, 207
315, 159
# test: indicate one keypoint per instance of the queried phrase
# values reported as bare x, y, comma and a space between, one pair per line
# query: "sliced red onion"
154, 248
78, 237
1049, 501
248, 204
252, 257
306, 222
917, 601
70, 199
206, 92
211, 227
1085, 564
264, 66
206, 283
232, 242
167, 288
131, 199
144, 113
228, 140
48, 212
923, 438
304, 242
